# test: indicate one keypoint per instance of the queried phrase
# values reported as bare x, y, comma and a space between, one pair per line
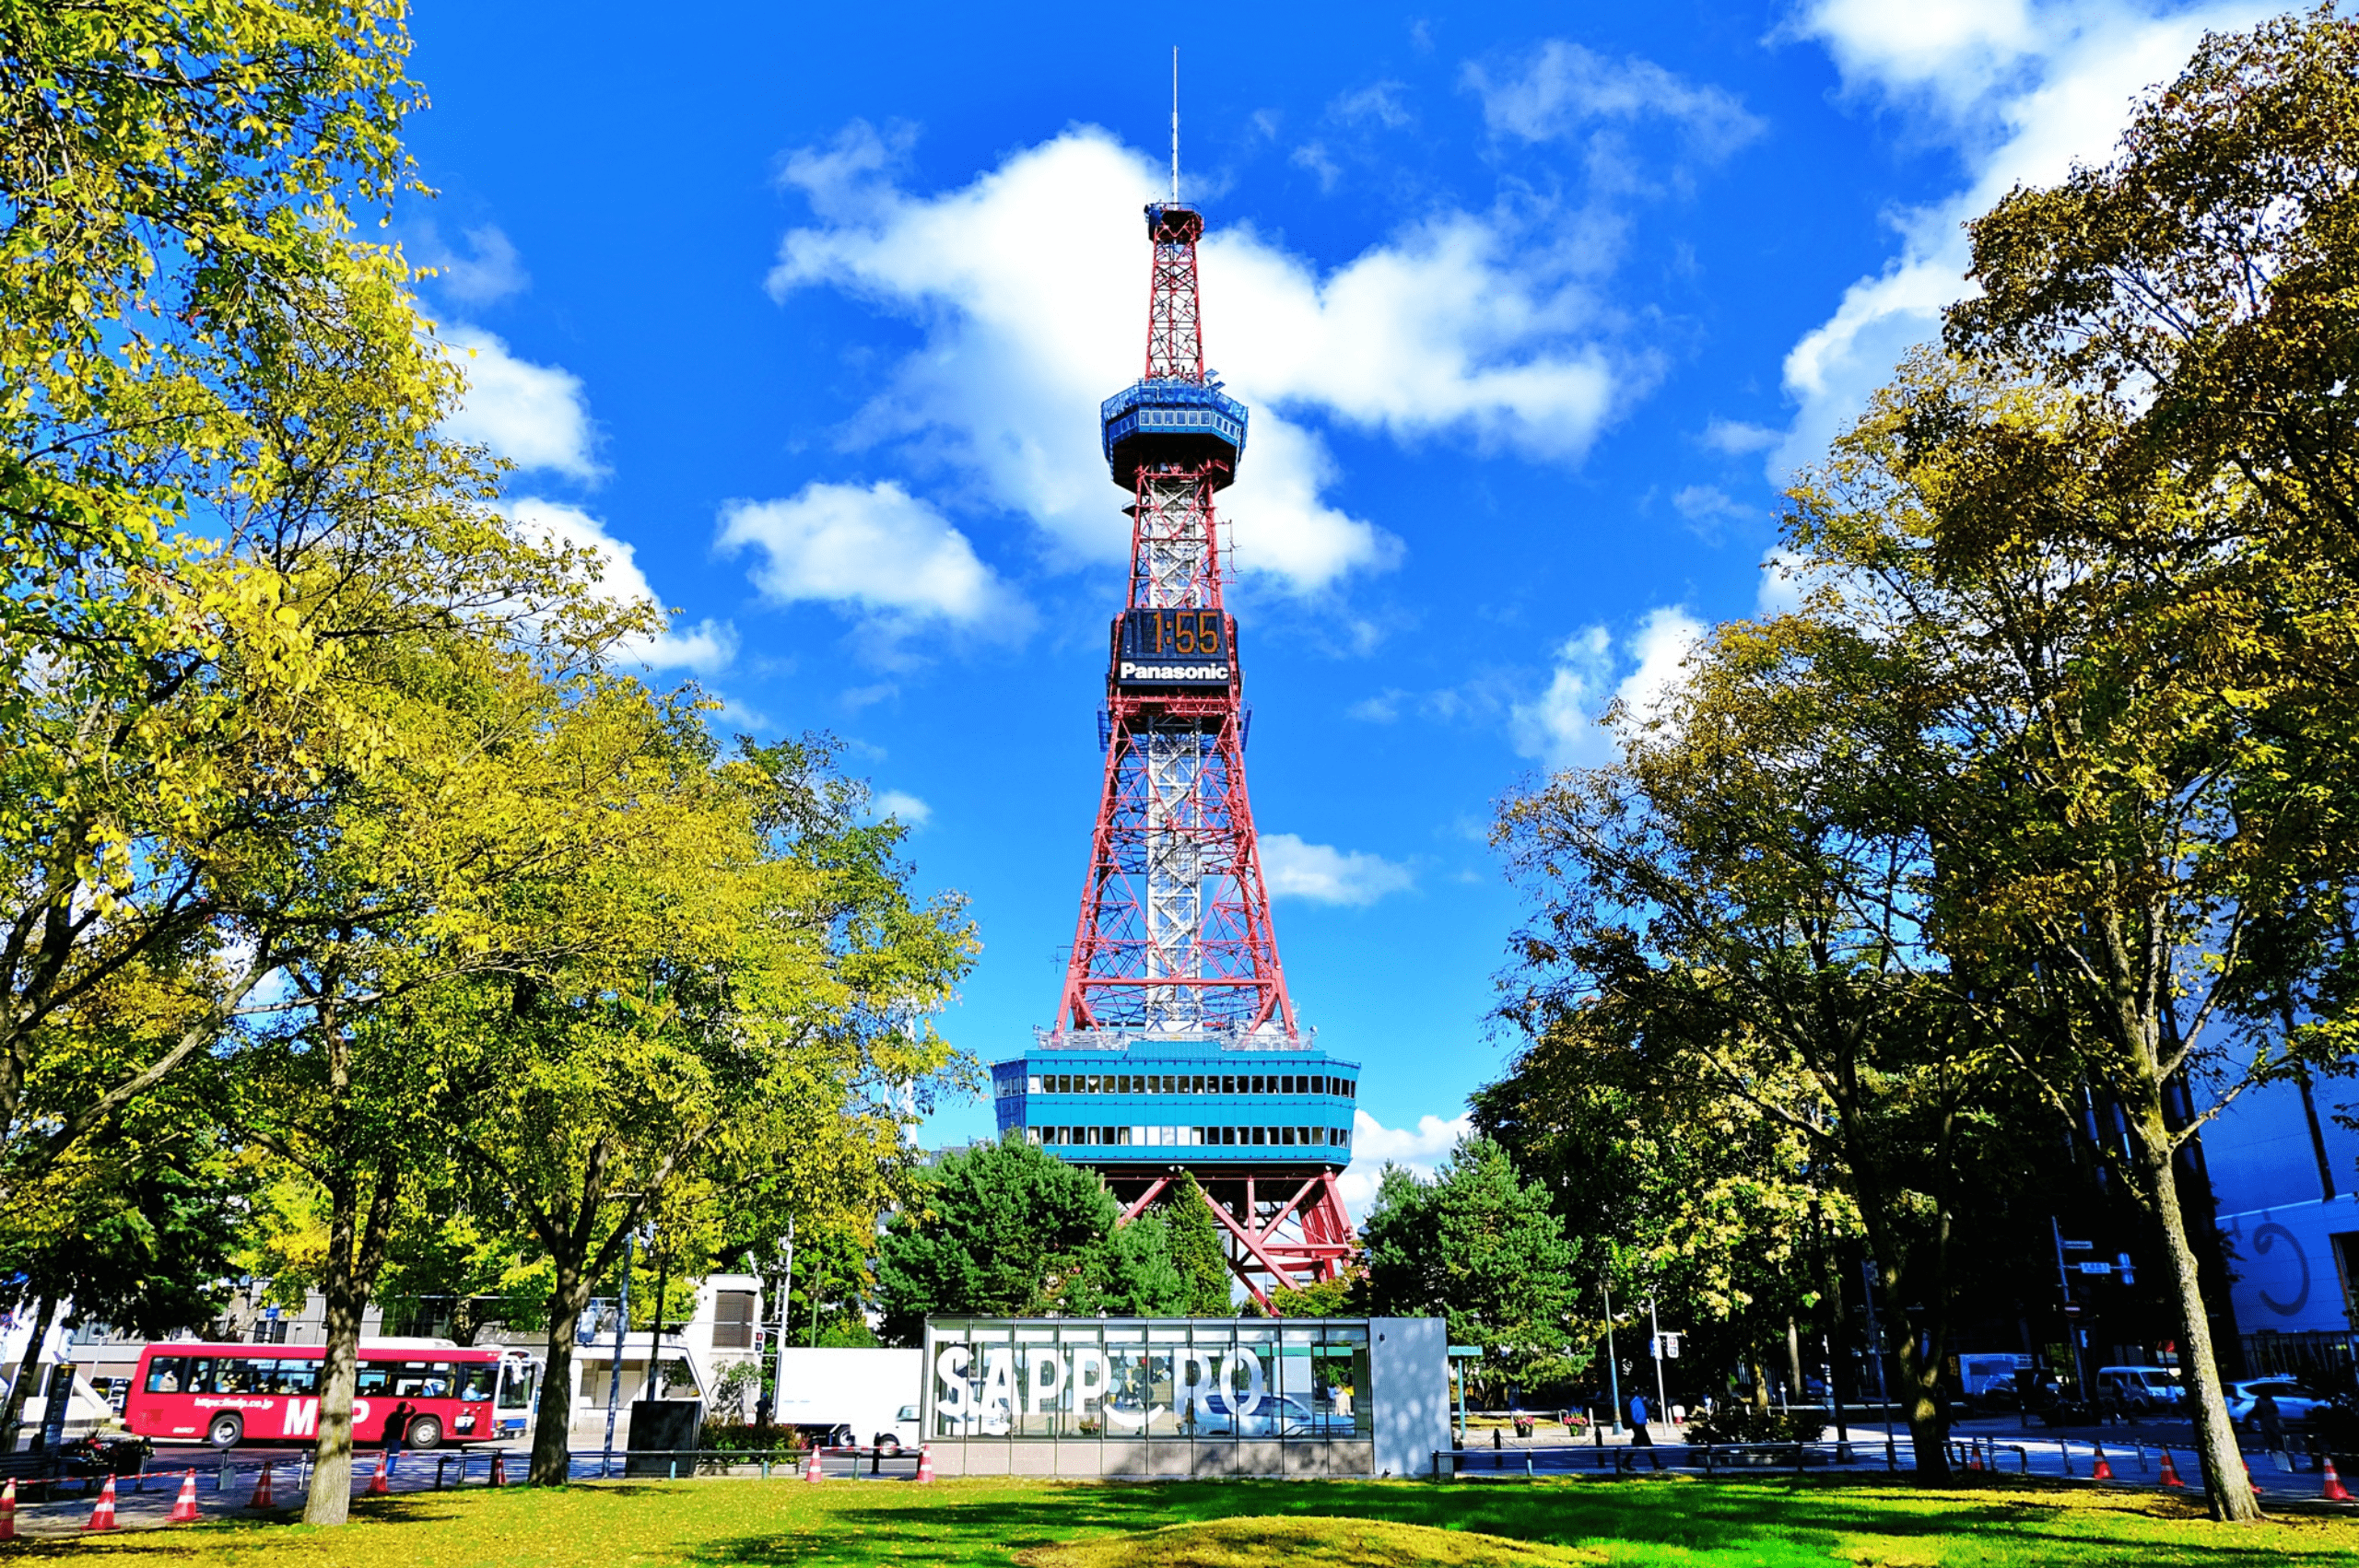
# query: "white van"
1988, 1377
2141, 1387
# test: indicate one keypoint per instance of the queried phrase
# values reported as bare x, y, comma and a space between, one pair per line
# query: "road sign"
2079, 1246
1472, 1352
2095, 1268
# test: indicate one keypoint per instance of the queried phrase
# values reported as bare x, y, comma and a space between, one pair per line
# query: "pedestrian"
2270, 1422
1639, 1436
396, 1429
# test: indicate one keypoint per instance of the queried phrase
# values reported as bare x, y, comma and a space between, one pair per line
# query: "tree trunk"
2215, 1437
346, 1281
330, 1501
28, 1366
1923, 1341
553, 1425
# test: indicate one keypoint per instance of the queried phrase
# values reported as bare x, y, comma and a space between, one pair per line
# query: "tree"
1735, 910
2200, 283
751, 975
1196, 1248
221, 478
135, 1230
1008, 1230
2070, 627
1670, 1185
1481, 1246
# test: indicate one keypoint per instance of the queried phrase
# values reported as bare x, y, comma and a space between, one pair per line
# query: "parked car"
2142, 1388
2296, 1401
1278, 1415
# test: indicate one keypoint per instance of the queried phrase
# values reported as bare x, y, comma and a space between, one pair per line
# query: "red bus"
228, 1394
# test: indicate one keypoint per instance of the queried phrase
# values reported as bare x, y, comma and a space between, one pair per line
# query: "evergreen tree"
1482, 1247
1196, 1250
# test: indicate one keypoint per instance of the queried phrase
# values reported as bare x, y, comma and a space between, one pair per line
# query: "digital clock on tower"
1174, 648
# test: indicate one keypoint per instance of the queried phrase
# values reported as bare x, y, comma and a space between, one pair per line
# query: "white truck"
848, 1398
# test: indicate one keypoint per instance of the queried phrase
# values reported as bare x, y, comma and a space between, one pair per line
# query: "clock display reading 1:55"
1174, 648
1175, 634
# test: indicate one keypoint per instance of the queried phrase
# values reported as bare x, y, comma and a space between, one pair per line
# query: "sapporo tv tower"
1176, 1047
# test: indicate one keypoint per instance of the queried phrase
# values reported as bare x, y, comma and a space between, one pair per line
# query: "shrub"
1740, 1420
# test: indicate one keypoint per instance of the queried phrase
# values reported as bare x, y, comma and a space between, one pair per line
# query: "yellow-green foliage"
700, 1524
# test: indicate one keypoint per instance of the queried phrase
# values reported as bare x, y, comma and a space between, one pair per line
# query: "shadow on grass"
1806, 1524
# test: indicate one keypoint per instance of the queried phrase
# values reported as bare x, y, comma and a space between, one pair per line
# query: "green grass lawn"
718, 1524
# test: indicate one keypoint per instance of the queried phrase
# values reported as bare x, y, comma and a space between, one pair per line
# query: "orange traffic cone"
377, 1486
2170, 1471
498, 1468
926, 1461
260, 1498
2334, 1492
2105, 1469
8, 1510
103, 1516
811, 1471
184, 1505
1974, 1457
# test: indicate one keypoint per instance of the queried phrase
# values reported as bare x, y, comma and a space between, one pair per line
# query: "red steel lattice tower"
1175, 929
1174, 964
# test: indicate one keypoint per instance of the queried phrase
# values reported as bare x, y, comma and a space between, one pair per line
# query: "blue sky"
803, 314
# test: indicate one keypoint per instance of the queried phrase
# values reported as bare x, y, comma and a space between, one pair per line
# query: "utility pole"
615, 1377
769, 1402
1654, 1330
1613, 1369
2071, 1329
1875, 1342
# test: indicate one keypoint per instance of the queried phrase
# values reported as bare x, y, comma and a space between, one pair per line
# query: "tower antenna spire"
1175, 125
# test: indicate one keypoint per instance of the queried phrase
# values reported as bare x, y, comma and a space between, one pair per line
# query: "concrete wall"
1409, 1369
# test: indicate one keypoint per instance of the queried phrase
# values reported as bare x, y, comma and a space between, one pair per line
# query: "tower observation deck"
1176, 1047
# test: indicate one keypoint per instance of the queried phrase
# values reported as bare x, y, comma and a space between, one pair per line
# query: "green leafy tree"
1009, 1230
2096, 874
1196, 1248
1005, 1229
222, 478
1482, 1246
751, 975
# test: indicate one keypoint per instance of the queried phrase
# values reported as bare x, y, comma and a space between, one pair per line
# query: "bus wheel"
226, 1431
426, 1432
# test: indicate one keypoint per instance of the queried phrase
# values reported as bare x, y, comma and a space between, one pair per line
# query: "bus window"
376, 1377
200, 1376
239, 1375
167, 1375
517, 1379
476, 1378
422, 1380
290, 1377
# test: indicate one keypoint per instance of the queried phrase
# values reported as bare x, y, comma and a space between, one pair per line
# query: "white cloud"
1380, 101
877, 546
705, 647
1780, 592
1563, 86
1374, 1145
1735, 438
1028, 284
490, 270
1708, 506
1560, 727
534, 416
1661, 648
2022, 90
912, 812
1324, 874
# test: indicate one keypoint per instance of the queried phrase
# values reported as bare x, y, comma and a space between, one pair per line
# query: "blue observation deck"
1147, 1102
1179, 422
